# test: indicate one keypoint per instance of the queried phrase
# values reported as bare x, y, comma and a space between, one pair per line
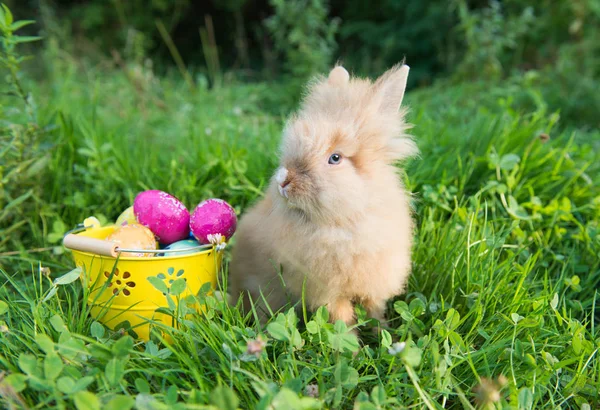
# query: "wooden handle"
92, 245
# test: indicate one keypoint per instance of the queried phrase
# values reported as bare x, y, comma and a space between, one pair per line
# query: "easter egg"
127, 217
212, 217
164, 214
185, 244
133, 236
91, 222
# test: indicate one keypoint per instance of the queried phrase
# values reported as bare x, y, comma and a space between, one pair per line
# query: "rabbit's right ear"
391, 86
338, 76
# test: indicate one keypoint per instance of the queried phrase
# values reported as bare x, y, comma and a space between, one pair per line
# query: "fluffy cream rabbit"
335, 222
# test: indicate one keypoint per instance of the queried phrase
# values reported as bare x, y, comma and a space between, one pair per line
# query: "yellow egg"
91, 222
136, 237
127, 217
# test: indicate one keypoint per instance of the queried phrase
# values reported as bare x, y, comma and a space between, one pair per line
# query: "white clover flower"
256, 347
312, 390
215, 238
218, 240
397, 348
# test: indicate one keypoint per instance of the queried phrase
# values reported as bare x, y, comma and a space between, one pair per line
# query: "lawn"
500, 310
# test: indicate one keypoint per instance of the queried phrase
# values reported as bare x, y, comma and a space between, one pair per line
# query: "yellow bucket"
120, 289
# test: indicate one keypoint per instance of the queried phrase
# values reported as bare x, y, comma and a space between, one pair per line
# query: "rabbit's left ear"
391, 86
338, 76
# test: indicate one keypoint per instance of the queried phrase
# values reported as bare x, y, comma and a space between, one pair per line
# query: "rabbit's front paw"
342, 309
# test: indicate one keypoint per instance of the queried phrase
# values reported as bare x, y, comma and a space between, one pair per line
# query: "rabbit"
335, 226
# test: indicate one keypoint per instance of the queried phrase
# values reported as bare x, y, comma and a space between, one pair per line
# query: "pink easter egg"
213, 216
163, 214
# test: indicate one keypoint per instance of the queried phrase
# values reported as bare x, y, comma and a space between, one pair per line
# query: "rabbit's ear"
391, 86
338, 76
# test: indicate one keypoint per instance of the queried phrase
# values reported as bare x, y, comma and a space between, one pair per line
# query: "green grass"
506, 259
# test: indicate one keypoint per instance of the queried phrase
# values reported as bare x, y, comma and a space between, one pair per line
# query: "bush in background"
303, 35
464, 39
554, 42
490, 38
375, 35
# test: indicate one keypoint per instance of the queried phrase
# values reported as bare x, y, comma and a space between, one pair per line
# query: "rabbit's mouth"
282, 177
288, 199
283, 191
295, 188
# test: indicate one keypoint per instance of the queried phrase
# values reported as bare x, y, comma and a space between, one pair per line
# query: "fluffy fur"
342, 231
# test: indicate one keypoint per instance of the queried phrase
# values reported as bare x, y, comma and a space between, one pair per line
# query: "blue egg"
186, 243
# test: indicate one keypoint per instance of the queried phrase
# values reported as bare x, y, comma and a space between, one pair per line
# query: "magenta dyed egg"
211, 217
163, 214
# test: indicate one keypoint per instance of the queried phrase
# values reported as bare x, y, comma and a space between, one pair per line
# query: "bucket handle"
91, 245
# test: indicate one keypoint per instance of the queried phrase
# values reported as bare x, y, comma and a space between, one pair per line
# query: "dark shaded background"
438, 38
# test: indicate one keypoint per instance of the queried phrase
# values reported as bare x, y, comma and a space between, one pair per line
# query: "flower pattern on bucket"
120, 282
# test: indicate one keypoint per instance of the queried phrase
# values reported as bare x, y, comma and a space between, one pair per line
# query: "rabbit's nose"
282, 177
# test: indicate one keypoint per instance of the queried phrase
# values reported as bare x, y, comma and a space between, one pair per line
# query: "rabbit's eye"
335, 159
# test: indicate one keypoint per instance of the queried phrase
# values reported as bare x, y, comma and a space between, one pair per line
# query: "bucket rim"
82, 230
144, 259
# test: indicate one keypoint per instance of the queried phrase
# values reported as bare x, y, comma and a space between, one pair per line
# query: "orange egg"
136, 237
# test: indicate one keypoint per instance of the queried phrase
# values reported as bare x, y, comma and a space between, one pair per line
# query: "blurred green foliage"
303, 35
439, 38
554, 43
22, 155
375, 35
490, 37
